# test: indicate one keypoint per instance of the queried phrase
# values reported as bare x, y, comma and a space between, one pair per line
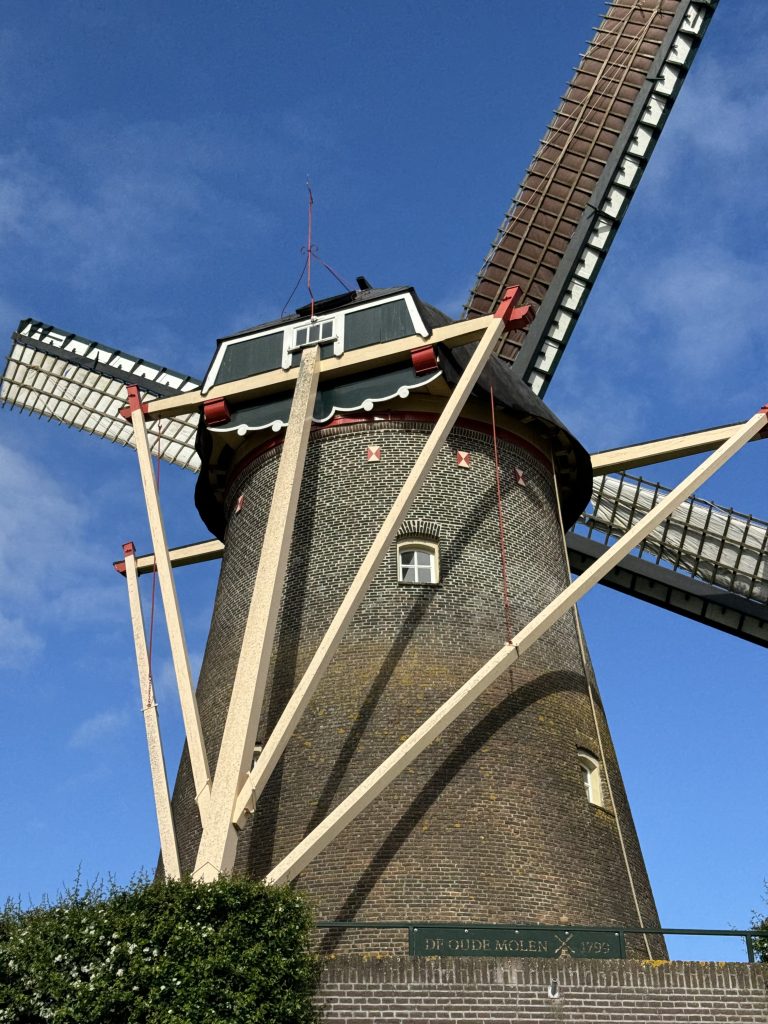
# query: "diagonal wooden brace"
286, 725
448, 712
190, 714
218, 844
168, 849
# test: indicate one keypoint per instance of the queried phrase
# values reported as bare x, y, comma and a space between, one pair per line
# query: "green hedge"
178, 952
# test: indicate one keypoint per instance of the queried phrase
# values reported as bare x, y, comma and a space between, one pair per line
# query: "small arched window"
589, 767
418, 561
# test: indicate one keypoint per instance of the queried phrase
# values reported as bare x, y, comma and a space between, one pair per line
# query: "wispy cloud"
49, 558
101, 195
99, 727
17, 642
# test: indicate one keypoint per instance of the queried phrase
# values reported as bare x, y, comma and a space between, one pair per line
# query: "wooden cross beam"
190, 714
611, 460
218, 845
356, 361
448, 712
168, 849
662, 450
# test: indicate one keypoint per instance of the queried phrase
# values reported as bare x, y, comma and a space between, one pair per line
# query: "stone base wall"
360, 990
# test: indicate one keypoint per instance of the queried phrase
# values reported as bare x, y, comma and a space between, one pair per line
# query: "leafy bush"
178, 952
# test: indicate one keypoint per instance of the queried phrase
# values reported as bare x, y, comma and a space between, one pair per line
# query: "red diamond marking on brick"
373, 453
463, 459
520, 478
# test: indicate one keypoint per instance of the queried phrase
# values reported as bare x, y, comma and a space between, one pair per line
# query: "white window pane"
417, 565
408, 567
586, 781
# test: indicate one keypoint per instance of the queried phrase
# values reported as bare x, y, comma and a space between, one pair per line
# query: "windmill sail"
577, 189
702, 539
82, 383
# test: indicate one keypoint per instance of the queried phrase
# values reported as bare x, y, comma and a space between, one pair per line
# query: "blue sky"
152, 168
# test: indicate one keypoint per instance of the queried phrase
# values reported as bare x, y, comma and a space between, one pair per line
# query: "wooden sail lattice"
82, 384
702, 539
577, 189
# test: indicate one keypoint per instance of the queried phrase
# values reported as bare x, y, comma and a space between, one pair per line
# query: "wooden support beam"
448, 712
189, 554
168, 849
357, 361
218, 846
277, 742
190, 714
662, 450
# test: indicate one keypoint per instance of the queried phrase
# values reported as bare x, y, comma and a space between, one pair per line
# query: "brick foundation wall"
357, 990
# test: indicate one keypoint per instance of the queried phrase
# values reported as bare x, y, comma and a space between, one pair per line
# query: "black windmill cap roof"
432, 316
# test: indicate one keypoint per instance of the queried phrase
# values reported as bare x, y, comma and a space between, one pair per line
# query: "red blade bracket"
514, 317
134, 402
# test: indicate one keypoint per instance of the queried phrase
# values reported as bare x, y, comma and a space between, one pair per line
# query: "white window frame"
431, 548
290, 348
589, 772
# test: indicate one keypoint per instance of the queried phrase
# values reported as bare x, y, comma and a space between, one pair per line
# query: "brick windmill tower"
396, 708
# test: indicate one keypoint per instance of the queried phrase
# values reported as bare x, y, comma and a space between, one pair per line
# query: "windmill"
43, 370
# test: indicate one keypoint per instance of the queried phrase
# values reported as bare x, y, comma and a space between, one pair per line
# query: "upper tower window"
418, 562
589, 768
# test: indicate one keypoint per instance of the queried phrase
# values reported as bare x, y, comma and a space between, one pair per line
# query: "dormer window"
314, 334
328, 331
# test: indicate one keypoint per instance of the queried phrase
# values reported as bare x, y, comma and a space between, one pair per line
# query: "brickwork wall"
491, 823
437, 991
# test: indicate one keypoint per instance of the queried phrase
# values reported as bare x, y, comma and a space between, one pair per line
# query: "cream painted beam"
189, 554
662, 450
356, 361
448, 712
168, 849
277, 742
190, 714
218, 845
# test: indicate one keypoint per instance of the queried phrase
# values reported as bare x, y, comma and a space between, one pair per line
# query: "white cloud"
101, 726
17, 642
31, 500
50, 558
105, 198
711, 305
